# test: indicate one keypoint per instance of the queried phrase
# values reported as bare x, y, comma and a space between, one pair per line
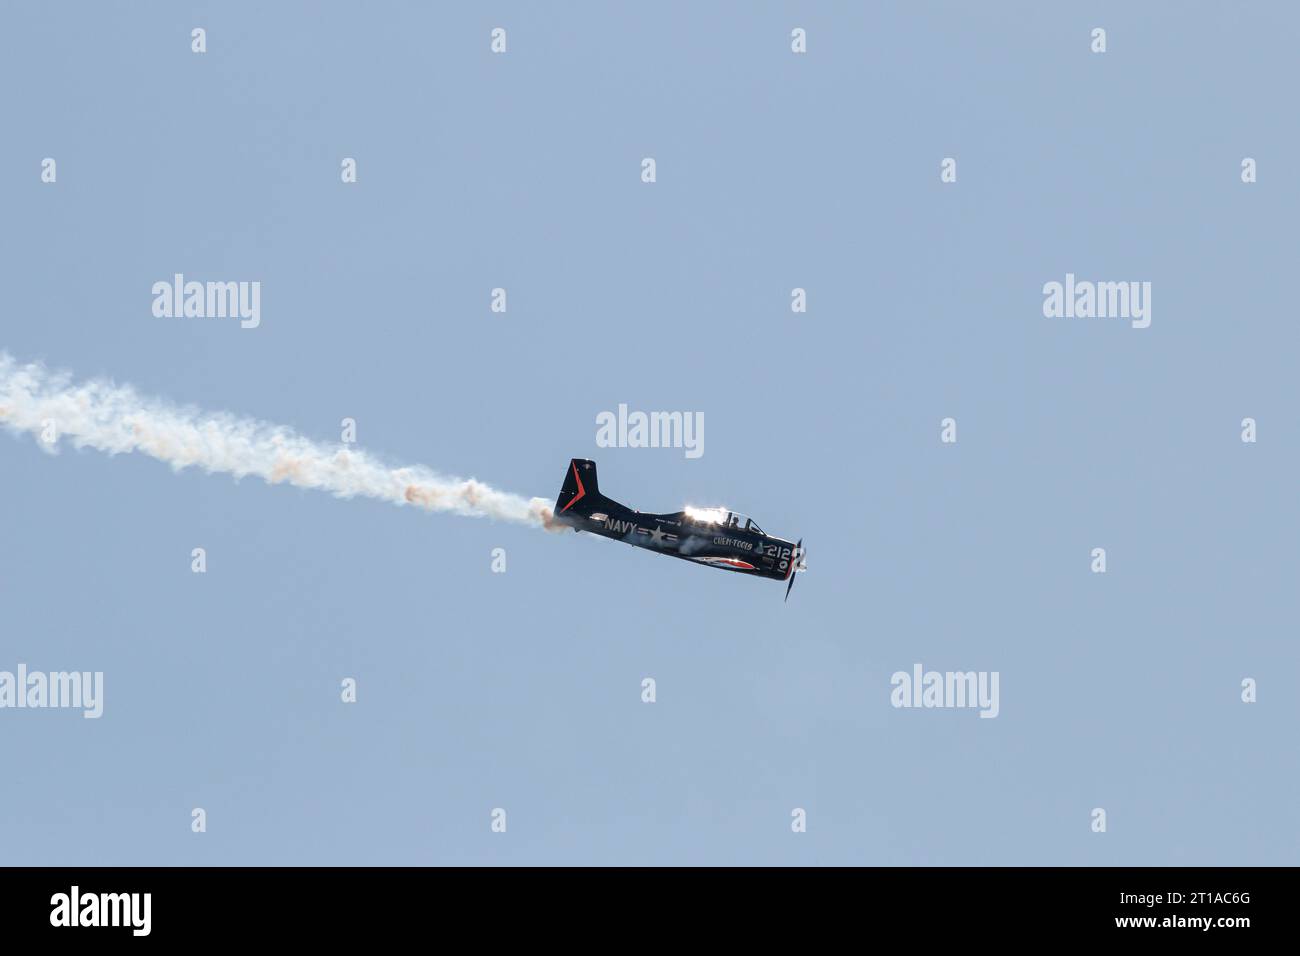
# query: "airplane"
712, 536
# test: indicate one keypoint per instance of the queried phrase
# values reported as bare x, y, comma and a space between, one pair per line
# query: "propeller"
796, 566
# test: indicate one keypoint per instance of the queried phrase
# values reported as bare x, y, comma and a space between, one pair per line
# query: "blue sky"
522, 690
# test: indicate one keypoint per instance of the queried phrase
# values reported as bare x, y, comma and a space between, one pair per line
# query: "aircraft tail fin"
580, 492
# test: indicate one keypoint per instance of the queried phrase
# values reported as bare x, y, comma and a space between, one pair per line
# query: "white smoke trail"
115, 419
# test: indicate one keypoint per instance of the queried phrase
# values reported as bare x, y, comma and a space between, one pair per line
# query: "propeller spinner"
800, 564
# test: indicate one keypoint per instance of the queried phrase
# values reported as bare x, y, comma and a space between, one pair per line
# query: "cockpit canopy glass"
731, 520
741, 522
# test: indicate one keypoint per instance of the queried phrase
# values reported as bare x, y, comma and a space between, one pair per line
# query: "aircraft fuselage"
713, 537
